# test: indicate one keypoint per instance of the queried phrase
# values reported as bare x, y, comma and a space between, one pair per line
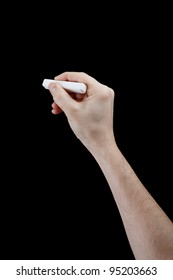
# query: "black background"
55, 201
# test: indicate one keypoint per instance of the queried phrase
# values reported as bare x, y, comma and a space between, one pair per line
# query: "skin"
149, 230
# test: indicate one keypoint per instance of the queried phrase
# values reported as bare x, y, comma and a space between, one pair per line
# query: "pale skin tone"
148, 228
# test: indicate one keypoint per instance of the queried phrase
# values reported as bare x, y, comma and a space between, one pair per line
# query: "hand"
91, 115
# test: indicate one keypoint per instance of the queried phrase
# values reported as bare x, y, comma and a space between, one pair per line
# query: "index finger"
80, 77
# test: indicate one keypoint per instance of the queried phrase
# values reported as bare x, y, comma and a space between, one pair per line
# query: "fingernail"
52, 87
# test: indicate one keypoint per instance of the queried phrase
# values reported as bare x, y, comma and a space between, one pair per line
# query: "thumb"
62, 98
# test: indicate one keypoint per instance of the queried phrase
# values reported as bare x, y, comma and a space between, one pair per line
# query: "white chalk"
69, 86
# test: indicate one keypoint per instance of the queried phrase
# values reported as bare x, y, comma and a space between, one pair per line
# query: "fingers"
76, 77
56, 109
64, 101
79, 96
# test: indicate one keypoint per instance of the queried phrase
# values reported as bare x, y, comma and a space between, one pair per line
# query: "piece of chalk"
75, 87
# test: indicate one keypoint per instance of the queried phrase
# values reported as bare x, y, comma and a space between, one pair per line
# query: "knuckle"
74, 108
82, 73
112, 93
109, 92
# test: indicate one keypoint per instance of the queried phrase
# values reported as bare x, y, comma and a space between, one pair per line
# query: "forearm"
149, 230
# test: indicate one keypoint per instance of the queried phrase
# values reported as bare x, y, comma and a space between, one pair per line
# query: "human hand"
91, 115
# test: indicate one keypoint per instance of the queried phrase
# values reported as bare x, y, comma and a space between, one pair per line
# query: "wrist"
104, 147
